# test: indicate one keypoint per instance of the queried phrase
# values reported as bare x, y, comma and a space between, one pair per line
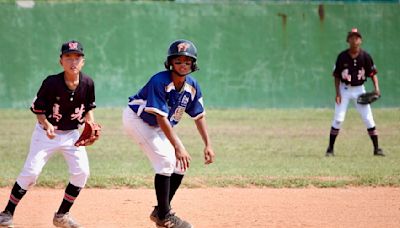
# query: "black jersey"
354, 71
64, 108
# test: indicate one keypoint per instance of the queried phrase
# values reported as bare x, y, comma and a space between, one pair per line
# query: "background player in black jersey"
352, 68
63, 102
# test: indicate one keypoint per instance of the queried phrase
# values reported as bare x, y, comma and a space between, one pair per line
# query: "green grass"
264, 148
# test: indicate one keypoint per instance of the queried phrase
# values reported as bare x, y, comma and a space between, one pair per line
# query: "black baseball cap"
353, 32
72, 46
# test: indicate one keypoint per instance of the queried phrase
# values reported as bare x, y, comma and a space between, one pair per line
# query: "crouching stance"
63, 102
149, 120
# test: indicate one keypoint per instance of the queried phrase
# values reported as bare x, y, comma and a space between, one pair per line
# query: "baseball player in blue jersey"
352, 68
149, 120
63, 103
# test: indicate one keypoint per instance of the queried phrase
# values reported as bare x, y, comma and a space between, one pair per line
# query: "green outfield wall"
267, 55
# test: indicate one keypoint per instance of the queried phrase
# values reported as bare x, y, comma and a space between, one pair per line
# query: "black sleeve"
91, 97
41, 101
370, 69
337, 70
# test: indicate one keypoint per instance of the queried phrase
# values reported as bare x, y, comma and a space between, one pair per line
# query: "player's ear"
168, 62
167, 65
194, 67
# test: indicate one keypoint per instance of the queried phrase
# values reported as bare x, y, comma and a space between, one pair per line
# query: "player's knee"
368, 121
79, 179
27, 181
165, 166
369, 124
180, 171
164, 174
337, 123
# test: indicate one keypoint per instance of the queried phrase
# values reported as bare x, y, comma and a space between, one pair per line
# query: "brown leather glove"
89, 135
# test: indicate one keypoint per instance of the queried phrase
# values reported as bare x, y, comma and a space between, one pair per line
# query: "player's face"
72, 62
182, 64
355, 41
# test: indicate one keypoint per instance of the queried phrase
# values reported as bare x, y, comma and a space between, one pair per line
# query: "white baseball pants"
153, 143
42, 148
350, 93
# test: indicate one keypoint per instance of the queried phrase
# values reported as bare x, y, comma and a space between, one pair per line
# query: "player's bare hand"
47, 126
378, 92
338, 99
209, 155
50, 131
182, 158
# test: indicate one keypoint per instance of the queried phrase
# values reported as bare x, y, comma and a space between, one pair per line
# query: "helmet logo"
183, 47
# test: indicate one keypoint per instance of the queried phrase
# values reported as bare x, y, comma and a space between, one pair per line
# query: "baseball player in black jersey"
353, 67
63, 102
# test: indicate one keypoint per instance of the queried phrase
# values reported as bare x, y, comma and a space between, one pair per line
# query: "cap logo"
73, 46
183, 47
354, 30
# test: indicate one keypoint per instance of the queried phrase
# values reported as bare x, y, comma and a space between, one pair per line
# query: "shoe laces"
67, 219
6, 214
175, 220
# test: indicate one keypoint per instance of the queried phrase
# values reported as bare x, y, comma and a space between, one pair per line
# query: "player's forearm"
202, 128
43, 120
375, 81
169, 132
47, 126
89, 117
337, 84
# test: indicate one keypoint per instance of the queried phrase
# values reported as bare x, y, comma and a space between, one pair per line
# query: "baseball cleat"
170, 221
153, 215
65, 221
6, 219
378, 152
329, 152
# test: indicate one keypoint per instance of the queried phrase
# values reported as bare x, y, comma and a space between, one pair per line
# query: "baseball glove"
367, 98
89, 135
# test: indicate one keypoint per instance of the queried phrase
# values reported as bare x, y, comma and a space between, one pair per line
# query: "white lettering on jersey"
78, 113
185, 100
345, 75
56, 112
361, 74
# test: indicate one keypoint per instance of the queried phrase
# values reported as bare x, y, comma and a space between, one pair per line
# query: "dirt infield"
219, 207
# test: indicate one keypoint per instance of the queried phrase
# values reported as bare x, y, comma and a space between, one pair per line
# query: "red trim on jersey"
373, 72
37, 111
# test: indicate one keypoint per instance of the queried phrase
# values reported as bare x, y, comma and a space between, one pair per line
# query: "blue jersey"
159, 96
